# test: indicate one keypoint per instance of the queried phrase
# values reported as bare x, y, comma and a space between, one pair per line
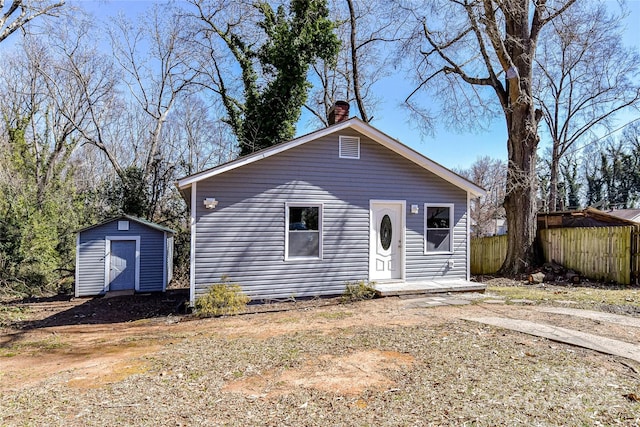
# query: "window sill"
303, 258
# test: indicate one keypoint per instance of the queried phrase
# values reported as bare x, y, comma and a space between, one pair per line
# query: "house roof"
353, 123
130, 218
630, 214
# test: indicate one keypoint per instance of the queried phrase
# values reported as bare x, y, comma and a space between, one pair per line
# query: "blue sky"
453, 149
461, 149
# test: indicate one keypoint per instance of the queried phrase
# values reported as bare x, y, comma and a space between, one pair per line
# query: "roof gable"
357, 125
130, 218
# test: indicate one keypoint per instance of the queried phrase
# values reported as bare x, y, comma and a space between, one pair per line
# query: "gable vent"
349, 147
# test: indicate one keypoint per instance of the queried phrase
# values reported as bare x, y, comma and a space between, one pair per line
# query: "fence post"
635, 254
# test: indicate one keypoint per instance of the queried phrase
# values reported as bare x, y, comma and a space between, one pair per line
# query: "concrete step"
396, 288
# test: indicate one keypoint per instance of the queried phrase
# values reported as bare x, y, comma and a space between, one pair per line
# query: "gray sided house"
124, 253
345, 203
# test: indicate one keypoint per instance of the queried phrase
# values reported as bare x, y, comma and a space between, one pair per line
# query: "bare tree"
367, 32
583, 76
487, 211
477, 44
155, 80
44, 100
196, 138
19, 13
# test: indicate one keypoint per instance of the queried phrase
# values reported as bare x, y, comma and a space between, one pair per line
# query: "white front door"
387, 240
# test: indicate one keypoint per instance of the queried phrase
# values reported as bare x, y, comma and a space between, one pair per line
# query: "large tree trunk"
520, 201
553, 180
506, 32
522, 124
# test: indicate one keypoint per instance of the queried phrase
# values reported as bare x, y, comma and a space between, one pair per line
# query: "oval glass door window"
385, 232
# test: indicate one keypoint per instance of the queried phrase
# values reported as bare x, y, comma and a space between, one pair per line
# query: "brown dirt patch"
345, 375
92, 355
380, 362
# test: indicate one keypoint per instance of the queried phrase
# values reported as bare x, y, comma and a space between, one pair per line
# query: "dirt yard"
384, 362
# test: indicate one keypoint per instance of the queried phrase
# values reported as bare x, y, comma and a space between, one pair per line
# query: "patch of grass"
10, 314
222, 299
288, 320
581, 295
335, 316
358, 291
47, 344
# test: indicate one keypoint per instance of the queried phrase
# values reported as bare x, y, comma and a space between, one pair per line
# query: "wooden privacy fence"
488, 254
599, 253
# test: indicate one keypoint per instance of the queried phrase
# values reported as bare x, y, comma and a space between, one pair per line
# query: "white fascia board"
262, 154
359, 126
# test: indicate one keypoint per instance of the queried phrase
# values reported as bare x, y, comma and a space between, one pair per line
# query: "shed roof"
630, 214
130, 218
352, 123
589, 217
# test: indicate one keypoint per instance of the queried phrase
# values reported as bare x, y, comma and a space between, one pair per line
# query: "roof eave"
412, 155
259, 155
358, 125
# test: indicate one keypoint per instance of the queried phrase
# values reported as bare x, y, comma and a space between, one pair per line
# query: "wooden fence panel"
599, 253
635, 256
488, 254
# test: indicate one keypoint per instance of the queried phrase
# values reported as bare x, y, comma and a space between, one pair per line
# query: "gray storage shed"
123, 253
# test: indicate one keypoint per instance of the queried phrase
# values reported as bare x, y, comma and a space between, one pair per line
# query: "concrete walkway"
568, 336
633, 322
555, 333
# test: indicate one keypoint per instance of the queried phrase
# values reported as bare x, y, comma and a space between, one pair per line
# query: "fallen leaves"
632, 397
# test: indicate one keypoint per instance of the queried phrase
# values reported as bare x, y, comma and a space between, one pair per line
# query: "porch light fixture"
210, 203
414, 209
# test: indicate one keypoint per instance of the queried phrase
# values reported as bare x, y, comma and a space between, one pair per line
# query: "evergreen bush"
221, 299
358, 291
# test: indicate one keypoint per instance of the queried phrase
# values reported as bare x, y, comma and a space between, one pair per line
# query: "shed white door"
122, 268
386, 241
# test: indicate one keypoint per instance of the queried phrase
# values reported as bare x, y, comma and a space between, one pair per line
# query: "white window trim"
320, 207
357, 138
451, 227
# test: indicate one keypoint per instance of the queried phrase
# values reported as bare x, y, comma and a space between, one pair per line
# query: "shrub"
221, 299
358, 291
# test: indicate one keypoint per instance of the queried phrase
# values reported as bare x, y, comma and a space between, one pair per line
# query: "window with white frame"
303, 230
438, 227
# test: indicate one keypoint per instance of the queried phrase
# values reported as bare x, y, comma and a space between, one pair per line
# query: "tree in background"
158, 71
487, 211
367, 33
570, 183
39, 206
568, 186
18, 13
612, 172
273, 61
583, 76
483, 47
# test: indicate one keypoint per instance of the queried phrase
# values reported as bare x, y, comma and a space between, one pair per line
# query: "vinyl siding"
243, 237
91, 257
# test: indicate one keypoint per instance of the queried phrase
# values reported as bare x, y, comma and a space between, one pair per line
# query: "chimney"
338, 113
